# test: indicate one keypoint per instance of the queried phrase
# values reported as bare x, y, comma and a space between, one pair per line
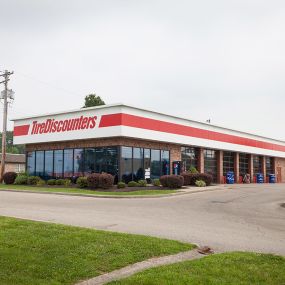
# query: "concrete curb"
143, 265
178, 193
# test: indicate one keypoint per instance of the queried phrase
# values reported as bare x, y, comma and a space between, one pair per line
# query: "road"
242, 218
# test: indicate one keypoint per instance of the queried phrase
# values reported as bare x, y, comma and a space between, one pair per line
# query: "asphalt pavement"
247, 217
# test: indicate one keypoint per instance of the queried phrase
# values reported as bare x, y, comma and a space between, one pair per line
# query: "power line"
47, 84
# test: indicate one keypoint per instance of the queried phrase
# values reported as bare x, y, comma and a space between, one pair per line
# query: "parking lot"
246, 217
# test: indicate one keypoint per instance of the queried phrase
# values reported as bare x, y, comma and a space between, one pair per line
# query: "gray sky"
223, 60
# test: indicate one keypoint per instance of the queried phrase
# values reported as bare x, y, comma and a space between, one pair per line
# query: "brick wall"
280, 165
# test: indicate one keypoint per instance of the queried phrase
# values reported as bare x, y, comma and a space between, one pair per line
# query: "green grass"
49, 254
237, 268
83, 191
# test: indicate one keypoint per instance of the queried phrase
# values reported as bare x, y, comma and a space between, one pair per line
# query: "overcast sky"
223, 60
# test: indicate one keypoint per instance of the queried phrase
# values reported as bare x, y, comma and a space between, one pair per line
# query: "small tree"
92, 100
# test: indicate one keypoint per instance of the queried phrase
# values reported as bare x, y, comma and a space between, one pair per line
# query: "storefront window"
138, 168
155, 167
68, 163
165, 162
39, 163
189, 157
228, 162
89, 159
147, 163
126, 164
269, 166
31, 159
243, 164
257, 164
78, 162
58, 163
210, 163
106, 160
48, 164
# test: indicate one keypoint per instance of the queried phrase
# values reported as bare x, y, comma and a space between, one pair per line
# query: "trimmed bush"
82, 182
93, 180
21, 180
41, 182
106, 181
193, 170
67, 182
191, 178
132, 184
121, 185
33, 180
200, 183
172, 181
142, 183
51, 182
156, 182
9, 177
60, 182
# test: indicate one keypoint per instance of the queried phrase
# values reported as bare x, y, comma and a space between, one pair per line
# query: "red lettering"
53, 126
84, 123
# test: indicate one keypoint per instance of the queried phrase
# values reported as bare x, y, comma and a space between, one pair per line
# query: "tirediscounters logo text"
59, 126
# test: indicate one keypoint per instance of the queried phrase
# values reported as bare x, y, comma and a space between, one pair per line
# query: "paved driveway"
241, 218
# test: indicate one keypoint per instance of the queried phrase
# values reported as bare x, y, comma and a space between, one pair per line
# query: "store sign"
58, 126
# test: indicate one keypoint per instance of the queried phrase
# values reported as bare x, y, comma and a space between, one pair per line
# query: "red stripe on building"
121, 119
21, 130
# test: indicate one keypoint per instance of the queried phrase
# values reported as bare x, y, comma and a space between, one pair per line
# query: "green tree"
10, 147
92, 100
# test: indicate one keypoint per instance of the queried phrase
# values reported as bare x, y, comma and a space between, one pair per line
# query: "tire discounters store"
133, 144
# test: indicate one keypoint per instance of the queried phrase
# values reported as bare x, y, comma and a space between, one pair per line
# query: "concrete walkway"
143, 265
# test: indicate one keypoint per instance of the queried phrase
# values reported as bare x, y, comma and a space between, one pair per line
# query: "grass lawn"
83, 191
235, 268
34, 253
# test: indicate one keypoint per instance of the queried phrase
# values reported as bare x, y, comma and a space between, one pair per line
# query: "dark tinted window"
68, 163
31, 160
58, 163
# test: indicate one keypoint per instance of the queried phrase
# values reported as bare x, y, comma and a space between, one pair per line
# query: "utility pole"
6, 75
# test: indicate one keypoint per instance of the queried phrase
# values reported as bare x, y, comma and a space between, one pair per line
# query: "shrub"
21, 180
106, 180
82, 182
172, 181
200, 183
9, 177
41, 182
156, 182
142, 183
132, 184
60, 182
23, 173
193, 170
67, 182
191, 178
33, 180
51, 182
121, 185
187, 178
93, 180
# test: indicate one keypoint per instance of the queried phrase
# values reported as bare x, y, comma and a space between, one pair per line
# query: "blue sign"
230, 178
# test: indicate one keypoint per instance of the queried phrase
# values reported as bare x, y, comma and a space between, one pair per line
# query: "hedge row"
191, 178
172, 181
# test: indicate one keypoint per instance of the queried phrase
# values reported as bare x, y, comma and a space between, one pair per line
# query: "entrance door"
279, 178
